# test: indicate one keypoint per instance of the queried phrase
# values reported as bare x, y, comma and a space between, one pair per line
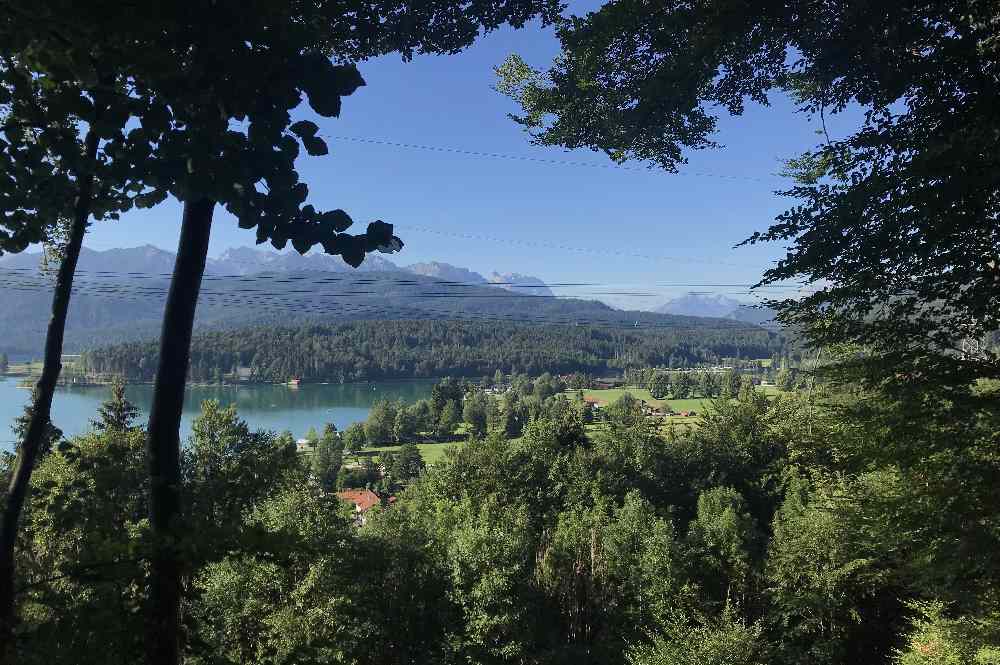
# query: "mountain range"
719, 306
248, 261
119, 293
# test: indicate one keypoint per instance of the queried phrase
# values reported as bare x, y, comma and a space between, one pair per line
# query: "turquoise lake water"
270, 407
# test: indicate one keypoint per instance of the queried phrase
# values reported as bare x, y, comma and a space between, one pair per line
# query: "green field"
431, 452
696, 404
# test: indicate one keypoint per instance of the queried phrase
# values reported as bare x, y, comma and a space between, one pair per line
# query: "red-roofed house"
363, 500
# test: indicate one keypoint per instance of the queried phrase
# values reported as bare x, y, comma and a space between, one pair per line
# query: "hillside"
119, 293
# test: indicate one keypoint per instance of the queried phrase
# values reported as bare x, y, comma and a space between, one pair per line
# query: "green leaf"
304, 128
339, 219
346, 79
290, 146
150, 199
325, 102
353, 250
315, 146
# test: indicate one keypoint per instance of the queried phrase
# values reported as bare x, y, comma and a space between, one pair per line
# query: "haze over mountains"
118, 296
719, 306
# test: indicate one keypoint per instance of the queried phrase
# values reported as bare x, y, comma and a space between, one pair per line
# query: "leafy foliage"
894, 225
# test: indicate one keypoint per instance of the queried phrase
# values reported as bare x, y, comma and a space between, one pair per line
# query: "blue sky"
684, 226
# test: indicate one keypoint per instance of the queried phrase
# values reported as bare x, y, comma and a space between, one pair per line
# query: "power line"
567, 248
285, 302
372, 278
538, 160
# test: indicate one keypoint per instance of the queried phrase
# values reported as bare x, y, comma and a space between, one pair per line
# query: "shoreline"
27, 381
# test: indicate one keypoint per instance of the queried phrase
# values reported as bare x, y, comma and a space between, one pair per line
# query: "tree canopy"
893, 227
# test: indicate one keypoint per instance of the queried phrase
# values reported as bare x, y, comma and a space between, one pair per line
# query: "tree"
445, 390
354, 437
202, 159
475, 411
54, 181
381, 422
707, 385
404, 426
681, 384
448, 421
327, 459
659, 385
890, 222
227, 467
938, 638
116, 414
331, 435
4, 363
50, 436
423, 415
726, 641
83, 530
407, 463
723, 536
730, 385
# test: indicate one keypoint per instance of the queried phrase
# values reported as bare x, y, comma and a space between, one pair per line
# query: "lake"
269, 407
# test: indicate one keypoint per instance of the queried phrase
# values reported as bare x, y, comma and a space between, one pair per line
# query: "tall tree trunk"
41, 407
163, 443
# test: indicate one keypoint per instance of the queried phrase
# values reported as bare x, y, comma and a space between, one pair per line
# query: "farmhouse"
363, 500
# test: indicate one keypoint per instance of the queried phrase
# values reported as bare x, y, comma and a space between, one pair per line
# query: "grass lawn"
613, 394
431, 452
610, 395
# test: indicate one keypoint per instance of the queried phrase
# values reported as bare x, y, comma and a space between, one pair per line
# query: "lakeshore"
275, 407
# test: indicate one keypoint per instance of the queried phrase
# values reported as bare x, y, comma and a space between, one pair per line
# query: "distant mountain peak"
250, 260
525, 284
701, 304
719, 306
445, 271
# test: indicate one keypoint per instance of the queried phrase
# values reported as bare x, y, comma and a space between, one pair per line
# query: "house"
363, 500
303, 446
244, 373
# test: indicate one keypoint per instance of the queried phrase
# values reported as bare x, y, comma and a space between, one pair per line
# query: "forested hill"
117, 307
118, 293
364, 350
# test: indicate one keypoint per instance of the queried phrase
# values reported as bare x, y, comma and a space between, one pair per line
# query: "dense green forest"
759, 537
369, 350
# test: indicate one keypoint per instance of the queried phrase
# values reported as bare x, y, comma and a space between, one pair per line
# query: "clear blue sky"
689, 220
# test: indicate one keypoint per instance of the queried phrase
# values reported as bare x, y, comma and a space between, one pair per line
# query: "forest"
758, 537
370, 350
